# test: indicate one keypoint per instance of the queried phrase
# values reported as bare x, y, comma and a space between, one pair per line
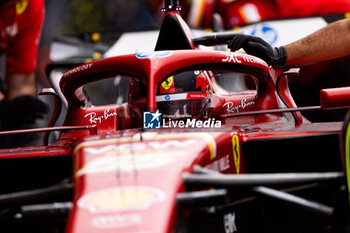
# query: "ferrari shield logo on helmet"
168, 82
167, 86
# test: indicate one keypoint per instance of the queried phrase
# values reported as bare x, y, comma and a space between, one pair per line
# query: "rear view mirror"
54, 73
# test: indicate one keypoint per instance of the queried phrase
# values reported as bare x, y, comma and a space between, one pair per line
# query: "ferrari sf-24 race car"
208, 141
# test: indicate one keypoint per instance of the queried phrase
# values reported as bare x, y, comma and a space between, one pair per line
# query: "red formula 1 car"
209, 141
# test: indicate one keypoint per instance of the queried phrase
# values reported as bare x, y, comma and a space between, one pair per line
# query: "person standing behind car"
20, 28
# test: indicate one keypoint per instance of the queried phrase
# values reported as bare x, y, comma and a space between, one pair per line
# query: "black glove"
22, 111
258, 47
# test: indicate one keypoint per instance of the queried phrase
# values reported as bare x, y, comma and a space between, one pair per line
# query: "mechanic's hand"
22, 111
258, 47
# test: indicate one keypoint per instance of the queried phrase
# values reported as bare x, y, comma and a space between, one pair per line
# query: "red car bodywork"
137, 193
127, 179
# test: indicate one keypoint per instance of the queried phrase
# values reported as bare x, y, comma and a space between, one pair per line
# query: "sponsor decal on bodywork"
239, 58
236, 152
127, 157
230, 222
150, 136
231, 108
154, 54
94, 119
220, 165
121, 199
78, 69
116, 220
231, 57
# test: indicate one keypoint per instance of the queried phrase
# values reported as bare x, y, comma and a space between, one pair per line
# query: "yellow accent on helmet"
21, 6
167, 84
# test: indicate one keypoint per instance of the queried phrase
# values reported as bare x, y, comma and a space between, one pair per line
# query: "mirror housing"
332, 98
57, 110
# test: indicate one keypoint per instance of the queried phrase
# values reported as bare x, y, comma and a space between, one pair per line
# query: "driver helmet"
184, 95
